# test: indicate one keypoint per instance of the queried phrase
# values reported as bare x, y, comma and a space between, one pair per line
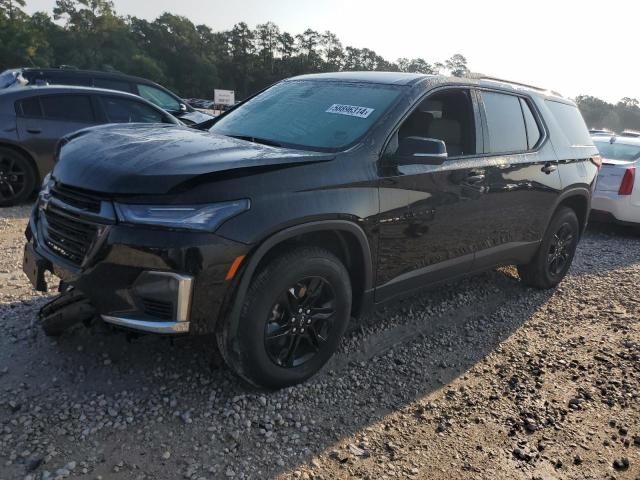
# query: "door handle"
548, 168
475, 178
34, 131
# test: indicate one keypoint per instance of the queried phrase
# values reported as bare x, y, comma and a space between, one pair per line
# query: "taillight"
626, 186
597, 161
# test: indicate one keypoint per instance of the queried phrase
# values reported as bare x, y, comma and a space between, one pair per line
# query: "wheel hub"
299, 323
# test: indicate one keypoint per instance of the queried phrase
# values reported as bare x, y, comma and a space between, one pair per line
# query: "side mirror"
183, 107
413, 150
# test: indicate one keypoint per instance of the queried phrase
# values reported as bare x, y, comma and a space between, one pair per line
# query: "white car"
617, 195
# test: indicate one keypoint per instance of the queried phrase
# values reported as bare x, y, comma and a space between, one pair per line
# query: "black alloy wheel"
300, 322
17, 178
555, 253
292, 319
561, 249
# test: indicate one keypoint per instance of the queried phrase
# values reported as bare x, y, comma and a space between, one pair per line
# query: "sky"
571, 46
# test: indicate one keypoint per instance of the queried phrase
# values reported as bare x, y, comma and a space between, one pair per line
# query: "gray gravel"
481, 378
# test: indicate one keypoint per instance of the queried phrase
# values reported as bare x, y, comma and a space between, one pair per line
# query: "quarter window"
571, 123
505, 122
72, 108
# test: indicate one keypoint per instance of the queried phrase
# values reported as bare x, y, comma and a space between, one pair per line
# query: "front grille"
76, 198
157, 308
69, 238
68, 229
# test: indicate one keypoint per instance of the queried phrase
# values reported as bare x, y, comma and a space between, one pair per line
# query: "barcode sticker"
350, 110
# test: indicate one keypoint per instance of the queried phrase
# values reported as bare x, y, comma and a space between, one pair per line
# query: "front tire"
18, 178
292, 320
556, 252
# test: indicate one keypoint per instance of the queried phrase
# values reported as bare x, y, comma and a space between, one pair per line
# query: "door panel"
43, 120
521, 190
42, 135
430, 213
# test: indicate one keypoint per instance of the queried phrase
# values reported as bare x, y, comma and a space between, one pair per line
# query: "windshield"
310, 114
8, 78
619, 151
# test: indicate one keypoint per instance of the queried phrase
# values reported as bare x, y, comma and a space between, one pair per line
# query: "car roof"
401, 78
73, 71
33, 90
385, 78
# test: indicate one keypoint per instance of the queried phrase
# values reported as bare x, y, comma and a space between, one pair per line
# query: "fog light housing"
164, 295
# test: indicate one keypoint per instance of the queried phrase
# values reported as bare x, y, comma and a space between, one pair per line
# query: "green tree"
457, 65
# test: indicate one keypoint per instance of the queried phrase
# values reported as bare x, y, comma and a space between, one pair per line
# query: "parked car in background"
34, 119
617, 195
631, 133
601, 131
154, 93
279, 224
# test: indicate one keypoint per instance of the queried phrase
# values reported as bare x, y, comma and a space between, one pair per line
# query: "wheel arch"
342, 237
579, 200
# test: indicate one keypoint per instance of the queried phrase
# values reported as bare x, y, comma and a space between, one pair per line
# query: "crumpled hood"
153, 159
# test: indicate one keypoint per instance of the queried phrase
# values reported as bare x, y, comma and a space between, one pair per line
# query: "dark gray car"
34, 119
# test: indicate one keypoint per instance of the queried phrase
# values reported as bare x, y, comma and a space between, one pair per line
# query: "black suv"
315, 200
154, 93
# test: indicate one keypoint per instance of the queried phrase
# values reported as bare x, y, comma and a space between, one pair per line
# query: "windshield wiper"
263, 141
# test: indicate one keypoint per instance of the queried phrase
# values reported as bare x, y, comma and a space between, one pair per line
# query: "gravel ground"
480, 379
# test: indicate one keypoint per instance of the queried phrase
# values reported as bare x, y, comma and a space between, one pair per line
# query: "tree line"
173, 51
616, 117
193, 59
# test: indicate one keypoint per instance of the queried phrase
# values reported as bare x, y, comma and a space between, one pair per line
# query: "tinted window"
159, 98
571, 123
122, 110
112, 84
311, 114
507, 132
533, 130
72, 108
29, 107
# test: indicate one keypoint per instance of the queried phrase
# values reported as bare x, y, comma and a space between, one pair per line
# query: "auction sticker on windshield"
351, 110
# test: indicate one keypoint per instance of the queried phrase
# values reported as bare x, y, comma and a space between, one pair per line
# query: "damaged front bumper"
140, 278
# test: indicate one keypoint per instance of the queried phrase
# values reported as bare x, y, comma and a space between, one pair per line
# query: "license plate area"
34, 267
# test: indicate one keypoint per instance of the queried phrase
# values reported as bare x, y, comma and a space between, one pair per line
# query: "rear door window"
571, 123
123, 110
505, 122
29, 107
71, 108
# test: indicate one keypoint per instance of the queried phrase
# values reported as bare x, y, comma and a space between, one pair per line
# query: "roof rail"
481, 76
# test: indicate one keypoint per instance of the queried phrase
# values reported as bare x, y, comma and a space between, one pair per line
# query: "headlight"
187, 217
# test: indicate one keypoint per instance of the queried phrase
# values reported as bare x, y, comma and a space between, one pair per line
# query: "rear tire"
556, 252
17, 177
292, 320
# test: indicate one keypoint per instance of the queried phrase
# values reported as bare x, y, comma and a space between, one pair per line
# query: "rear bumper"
622, 208
145, 279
